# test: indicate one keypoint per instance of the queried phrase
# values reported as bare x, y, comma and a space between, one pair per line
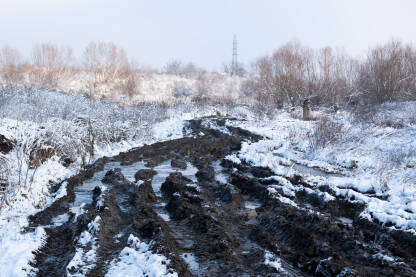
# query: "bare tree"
387, 71
173, 67
295, 73
10, 61
49, 63
108, 63
288, 75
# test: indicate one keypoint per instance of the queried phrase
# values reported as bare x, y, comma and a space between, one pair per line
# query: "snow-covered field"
369, 162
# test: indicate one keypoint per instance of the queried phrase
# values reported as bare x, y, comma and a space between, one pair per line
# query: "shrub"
326, 132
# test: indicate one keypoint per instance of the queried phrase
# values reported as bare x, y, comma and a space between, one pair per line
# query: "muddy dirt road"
211, 217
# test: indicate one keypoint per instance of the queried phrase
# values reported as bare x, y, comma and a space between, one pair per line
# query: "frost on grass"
138, 260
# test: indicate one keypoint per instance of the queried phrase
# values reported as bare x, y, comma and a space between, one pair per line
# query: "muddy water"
213, 218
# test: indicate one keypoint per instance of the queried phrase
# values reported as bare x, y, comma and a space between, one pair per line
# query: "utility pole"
234, 63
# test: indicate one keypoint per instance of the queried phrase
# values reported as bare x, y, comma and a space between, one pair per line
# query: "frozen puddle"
251, 205
312, 171
190, 172
83, 193
163, 170
189, 258
130, 170
220, 176
60, 219
346, 221
160, 210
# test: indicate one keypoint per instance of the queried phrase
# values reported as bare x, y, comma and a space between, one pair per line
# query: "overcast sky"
156, 31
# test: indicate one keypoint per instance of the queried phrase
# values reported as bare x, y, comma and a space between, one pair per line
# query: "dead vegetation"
326, 131
327, 76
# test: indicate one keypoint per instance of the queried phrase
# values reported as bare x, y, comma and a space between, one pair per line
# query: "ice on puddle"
190, 260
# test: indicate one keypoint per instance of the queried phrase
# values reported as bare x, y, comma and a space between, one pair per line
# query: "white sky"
201, 31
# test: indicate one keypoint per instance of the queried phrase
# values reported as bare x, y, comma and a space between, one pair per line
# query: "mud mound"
6, 145
178, 163
144, 174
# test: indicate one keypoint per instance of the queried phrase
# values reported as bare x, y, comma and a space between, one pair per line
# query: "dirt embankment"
190, 202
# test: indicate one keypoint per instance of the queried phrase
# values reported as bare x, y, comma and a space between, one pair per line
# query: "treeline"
326, 76
290, 75
106, 63
103, 66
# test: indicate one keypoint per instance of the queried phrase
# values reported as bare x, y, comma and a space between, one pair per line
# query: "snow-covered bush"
395, 115
325, 132
71, 128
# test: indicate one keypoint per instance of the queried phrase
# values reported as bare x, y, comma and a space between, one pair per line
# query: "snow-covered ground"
41, 119
368, 162
151, 87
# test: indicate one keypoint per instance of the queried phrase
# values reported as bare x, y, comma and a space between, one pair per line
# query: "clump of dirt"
40, 154
176, 183
6, 145
178, 163
146, 192
145, 174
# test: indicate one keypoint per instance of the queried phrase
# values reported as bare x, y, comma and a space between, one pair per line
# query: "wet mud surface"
211, 217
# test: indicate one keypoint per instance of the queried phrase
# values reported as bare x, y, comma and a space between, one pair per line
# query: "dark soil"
6, 145
211, 219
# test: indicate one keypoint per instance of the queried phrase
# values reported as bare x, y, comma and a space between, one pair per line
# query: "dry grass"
326, 131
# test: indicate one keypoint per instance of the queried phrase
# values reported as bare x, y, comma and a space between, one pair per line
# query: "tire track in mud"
221, 221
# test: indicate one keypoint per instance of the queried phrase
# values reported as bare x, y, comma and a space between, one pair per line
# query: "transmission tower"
234, 63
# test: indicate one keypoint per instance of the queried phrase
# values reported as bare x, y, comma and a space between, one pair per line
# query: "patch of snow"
233, 158
273, 261
190, 260
16, 249
86, 252
138, 260
252, 205
165, 216
60, 219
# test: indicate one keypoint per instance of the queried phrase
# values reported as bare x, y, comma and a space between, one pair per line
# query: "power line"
234, 63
